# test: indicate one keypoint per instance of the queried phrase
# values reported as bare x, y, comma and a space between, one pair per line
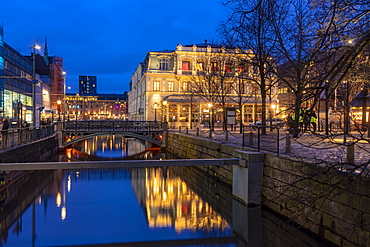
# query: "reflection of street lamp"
155, 107
34, 47
59, 102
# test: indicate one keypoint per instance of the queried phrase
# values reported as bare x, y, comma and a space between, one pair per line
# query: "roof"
205, 45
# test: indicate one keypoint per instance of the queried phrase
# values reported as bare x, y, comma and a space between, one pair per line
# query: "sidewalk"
312, 148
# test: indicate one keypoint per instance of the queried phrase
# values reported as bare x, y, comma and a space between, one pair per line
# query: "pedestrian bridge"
75, 131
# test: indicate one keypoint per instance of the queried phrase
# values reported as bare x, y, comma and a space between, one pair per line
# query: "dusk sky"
108, 38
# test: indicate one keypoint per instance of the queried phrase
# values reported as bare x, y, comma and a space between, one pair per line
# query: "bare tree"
249, 27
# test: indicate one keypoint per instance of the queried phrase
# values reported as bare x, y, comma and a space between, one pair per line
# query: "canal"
176, 206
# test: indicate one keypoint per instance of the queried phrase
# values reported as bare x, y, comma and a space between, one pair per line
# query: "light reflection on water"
111, 147
113, 206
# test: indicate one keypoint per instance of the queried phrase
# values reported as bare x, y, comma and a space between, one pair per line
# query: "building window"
200, 66
185, 86
214, 66
156, 86
241, 67
163, 64
171, 86
227, 67
186, 65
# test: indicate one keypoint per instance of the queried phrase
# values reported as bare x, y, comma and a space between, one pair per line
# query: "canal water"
174, 206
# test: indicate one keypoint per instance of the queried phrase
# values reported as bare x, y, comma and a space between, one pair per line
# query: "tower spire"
46, 53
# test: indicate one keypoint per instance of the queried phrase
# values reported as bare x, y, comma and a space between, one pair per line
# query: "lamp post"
164, 113
59, 102
34, 47
64, 95
210, 107
155, 107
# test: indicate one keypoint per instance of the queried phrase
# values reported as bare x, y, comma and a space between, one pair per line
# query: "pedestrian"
313, 119
4, 131
26, 125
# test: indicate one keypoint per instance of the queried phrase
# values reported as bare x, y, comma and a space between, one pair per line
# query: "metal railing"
251, 137
112, 125
19, 136
274, 142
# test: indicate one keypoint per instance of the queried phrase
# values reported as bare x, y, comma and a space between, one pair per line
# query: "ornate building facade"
195, 85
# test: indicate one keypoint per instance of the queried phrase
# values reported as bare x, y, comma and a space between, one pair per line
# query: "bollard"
350, 153
210, 134
179, 129
288, 144
250, 139
226, 135
187, 130
197, 131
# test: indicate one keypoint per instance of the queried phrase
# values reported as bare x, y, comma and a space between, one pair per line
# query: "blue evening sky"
108, 38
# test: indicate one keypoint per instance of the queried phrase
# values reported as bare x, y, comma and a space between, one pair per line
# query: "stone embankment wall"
190, 147
331, 204
31, 152
334, 205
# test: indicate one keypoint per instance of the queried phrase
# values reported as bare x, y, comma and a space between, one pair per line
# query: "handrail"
115, 125
19, 136
259, 127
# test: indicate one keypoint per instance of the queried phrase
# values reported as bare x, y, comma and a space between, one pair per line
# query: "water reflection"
109, 206
111, 147
169, 202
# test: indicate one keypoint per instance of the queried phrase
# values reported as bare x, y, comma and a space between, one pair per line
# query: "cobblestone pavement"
308, 146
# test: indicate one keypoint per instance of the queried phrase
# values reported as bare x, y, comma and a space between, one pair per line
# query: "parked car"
278, 122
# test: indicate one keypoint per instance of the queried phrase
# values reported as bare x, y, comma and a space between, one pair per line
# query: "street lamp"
155, 107
164, 113
59, 102
64, 95
34, 47
210, 107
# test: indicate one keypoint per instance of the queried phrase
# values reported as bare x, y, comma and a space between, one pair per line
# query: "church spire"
46, 53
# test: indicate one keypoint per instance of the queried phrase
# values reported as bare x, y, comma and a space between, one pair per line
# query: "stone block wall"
190, 147
332, 204
31, 152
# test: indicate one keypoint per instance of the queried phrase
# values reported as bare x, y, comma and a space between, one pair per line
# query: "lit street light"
155, 107
59, 102
164, 113
34, 47
64, 95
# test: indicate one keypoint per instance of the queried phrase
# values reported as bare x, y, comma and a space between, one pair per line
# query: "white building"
183, 86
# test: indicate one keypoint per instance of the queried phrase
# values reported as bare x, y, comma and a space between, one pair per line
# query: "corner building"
185, 85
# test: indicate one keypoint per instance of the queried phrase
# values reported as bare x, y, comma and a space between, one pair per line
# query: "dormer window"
163, 64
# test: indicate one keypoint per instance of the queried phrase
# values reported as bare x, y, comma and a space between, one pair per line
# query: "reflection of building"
167, 85
87, 85
170, 203
95, 107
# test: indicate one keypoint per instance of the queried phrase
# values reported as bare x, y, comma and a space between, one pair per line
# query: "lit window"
185, 65
228, 67
214, 66
170, 86
200, 66
185, 86
156, 86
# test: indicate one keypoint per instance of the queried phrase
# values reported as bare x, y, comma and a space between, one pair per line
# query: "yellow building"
94, 107
185, 86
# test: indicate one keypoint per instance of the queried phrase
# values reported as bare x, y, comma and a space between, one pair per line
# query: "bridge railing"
105, 125
19, 136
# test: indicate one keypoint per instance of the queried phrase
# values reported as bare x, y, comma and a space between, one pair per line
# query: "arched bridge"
75, 131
